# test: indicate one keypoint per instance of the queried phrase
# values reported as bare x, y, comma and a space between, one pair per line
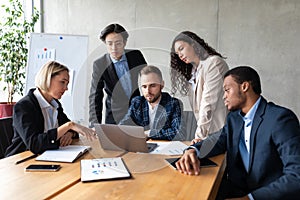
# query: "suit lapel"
111, 70
199, 70
160, 116
146, 113
255, 125
239, 125
197, 83
114, 77
129, 61
130, 67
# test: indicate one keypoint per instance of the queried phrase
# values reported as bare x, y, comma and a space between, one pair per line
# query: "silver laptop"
123, 138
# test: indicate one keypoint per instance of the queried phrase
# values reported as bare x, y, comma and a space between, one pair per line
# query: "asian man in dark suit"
262, 141
117, 73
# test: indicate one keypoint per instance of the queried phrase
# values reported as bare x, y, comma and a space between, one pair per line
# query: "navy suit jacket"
274, 166
105, 77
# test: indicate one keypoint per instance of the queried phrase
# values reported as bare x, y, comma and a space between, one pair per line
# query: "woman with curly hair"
197, 70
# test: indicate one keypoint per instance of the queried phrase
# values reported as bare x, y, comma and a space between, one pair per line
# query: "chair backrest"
6, 134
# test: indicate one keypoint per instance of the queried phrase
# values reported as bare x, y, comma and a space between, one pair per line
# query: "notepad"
103, 169
63, 154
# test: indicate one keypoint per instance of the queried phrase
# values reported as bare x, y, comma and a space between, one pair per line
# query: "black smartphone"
151, 146
41, 168
204, 162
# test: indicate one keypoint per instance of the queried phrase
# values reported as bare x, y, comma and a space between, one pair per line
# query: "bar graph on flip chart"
70, 50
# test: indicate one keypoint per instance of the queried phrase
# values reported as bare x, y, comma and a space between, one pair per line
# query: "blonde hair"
50, 69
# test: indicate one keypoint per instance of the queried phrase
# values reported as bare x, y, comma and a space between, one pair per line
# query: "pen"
25, 159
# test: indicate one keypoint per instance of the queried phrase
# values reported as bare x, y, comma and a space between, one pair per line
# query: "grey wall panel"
263, 34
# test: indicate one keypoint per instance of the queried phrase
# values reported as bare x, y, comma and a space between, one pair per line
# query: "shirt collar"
248, 118
123, 58
42, 101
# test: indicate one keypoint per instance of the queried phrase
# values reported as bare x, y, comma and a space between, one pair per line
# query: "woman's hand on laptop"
66, 139
85, 131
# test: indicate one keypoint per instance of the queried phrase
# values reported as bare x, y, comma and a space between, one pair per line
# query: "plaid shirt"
167, 121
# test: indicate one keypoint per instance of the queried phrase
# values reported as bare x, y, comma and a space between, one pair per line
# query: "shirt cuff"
250, 196
192, 147
147, 133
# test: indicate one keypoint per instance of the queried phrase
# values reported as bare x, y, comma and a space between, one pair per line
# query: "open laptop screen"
122, 137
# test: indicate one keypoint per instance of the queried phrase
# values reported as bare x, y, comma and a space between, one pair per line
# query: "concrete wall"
263, 34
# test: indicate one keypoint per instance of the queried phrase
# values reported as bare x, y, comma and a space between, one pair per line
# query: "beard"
155, 98
239, 103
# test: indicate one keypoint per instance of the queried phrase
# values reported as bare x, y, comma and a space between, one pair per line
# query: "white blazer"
207, 96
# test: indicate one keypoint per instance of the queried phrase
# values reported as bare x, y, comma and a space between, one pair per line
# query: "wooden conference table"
152, 178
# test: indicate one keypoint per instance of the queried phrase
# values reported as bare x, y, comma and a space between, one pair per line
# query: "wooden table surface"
15, 183
152, 178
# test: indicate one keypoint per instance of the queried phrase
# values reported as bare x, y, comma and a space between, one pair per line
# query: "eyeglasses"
116, 44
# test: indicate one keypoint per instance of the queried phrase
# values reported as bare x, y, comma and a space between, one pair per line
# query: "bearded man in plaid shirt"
158, 112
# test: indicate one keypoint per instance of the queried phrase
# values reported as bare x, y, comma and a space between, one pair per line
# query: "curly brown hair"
181, 72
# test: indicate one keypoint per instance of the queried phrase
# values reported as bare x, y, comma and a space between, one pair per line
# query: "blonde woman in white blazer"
197, 70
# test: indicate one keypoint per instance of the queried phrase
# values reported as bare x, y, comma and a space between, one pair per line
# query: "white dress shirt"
49, 111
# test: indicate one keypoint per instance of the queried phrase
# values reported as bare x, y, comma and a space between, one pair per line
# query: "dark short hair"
151, 69
114, 28
245, 73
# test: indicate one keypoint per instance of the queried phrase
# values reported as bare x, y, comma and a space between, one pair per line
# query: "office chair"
6, 134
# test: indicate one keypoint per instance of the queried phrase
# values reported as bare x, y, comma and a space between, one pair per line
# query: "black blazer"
28, 124
105, 77
274, 166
